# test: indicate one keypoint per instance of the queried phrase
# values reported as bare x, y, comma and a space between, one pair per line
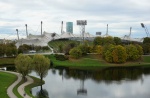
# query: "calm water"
99, 83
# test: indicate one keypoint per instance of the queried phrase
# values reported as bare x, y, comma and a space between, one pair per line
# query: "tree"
146, 40
68, 47
108, 40
83, 48
99, 49
41, 65
119, 54
146, 48
2, 49
108, 53
117, 40
23, 64
98, 41
60, 48
75, 52
132, 52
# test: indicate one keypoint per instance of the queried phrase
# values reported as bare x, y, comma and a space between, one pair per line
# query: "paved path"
21, 87
10, 88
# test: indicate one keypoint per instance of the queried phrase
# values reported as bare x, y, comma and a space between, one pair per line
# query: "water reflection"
132, 82
42, 94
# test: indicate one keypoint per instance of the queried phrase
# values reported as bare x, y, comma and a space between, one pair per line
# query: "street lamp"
146, 30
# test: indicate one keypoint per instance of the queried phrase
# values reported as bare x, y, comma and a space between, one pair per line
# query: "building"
69, 27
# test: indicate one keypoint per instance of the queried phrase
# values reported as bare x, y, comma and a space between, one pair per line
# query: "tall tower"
69, 27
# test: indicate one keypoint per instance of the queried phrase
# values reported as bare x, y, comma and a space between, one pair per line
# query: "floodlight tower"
26, 30
81, 24
146, 30
17, 34
61, 27
41, 27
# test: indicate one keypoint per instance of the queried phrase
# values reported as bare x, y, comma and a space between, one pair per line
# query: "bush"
108, 53
99, 49
132, 52
146, 48
61, 57
119, 54
84, 49
75, 53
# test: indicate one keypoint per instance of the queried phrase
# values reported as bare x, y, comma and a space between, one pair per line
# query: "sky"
120, 15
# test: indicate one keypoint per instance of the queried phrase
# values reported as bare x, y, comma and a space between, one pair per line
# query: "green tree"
23, 64
41, 65
132, 52
108, 40
146, 40
60, 48
83, 48
117, 40
2, 49
75, 52
146, 48
98, 41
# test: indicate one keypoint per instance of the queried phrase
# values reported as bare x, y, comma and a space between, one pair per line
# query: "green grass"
146, 59
29, 87
6, 79
95, 61
85, 61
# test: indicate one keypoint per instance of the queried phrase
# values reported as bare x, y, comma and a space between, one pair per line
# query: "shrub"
99, 49
75, 53
119, 54
61, 57
132, 52
84, 49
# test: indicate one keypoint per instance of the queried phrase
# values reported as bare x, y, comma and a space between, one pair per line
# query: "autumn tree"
132, 52
99, 49
108, 53
119, 54
41, 65
23, 64
108, 40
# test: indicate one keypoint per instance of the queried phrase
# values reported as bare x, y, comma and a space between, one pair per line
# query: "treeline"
25, 48
10, 49
112, 49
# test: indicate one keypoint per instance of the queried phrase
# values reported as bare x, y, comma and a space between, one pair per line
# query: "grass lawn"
6, 79
95, 61
146, 59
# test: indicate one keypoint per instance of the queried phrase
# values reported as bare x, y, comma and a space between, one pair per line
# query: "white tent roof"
67, 35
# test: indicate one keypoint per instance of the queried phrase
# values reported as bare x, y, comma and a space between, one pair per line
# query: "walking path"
10, 88
21, 87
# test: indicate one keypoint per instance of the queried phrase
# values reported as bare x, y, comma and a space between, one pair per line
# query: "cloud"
120, 15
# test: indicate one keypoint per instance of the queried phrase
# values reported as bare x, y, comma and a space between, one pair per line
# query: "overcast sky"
120, 15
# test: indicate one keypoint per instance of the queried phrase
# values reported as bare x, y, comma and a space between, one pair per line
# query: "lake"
118, 82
